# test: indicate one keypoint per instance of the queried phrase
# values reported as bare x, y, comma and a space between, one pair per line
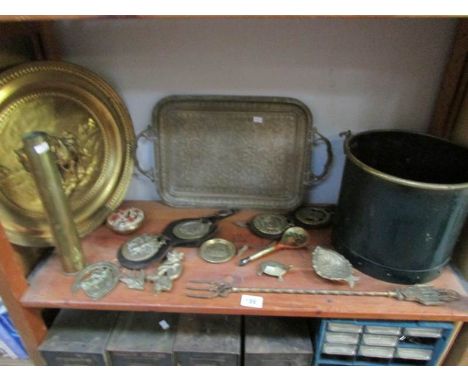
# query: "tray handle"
150, 135
315, 178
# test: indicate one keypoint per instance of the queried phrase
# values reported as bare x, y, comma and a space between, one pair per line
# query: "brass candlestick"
42, 165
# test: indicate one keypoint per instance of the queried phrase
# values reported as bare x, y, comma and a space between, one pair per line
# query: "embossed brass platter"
91, 136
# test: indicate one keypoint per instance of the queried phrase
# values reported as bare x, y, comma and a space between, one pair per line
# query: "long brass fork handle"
423, 294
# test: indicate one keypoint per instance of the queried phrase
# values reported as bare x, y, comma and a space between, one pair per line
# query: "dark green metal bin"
402, 205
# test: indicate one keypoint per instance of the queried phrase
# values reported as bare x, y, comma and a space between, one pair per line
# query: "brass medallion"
191, 230
270, 224
90, 134
97, 280
313, 216
142, 247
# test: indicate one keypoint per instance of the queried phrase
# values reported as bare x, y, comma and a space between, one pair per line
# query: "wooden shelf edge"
306, 313
51, 288
27, 18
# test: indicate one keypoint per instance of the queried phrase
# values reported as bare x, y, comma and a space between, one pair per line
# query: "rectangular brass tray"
240, 152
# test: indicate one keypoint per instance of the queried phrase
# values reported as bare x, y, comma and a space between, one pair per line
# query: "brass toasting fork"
424, 294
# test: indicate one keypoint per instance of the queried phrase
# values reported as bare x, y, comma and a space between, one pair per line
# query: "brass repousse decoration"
97, 280
142, 247
192, 229
90, 133
269, 225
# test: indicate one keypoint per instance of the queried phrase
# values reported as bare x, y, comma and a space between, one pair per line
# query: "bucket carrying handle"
315, 178
150, 135
346, 135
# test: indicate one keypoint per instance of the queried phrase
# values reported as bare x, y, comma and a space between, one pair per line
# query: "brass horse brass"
90, 134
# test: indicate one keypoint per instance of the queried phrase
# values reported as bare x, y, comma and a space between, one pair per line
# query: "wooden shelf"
47, 18
51, 288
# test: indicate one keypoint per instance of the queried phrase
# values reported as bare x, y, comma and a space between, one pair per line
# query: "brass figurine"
133, 279
167, 272
274, 269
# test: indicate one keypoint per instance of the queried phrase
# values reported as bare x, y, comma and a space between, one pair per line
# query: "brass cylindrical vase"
43, 167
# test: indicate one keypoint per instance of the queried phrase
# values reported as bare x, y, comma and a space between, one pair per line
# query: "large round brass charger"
90, 132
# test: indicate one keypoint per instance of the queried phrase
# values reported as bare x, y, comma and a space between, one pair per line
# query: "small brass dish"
217, 250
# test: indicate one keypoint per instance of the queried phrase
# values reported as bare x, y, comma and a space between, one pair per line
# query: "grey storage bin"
208, 340
277, 341
143, 339
78, 338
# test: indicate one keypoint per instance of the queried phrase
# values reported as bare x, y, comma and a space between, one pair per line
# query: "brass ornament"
313, 216
270, 224
90, 134
193, 229
274, 269
166, 273
331, 265
125, 220
97, 280
133, 279
142, 247
422, 294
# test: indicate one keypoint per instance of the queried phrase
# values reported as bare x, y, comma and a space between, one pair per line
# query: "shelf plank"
50, 287
26, 18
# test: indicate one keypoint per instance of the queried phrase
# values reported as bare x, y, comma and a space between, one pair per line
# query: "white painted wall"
354, 74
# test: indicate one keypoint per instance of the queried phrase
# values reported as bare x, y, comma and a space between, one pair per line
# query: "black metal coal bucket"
402, 205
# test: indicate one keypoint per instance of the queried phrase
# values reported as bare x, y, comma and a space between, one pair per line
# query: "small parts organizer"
356, 342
